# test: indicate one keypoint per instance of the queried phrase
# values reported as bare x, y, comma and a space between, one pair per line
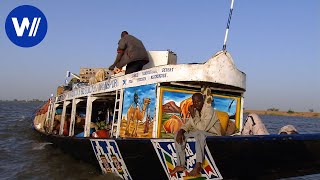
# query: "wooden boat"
141, 111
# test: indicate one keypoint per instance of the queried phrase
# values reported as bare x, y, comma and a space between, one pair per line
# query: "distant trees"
290, 111
272, 109
36, 100
311, 110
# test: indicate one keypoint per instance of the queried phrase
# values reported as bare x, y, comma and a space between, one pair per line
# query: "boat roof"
219, 71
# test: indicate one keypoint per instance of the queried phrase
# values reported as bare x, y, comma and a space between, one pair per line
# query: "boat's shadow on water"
106, 176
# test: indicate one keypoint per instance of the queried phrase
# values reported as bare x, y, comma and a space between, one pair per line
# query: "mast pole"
228, 25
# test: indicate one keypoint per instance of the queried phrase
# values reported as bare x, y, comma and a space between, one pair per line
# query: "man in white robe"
202, 123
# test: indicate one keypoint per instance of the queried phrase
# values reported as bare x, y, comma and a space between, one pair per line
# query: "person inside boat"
131, 52
100, 121
56, 123
288, 129
231, 128
110, 119
80, 122
254, 126
202, 123
66, 125
56, 127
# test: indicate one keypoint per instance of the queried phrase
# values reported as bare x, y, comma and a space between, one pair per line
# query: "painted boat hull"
240, 157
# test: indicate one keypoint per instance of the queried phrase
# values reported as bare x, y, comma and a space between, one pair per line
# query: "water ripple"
23, 155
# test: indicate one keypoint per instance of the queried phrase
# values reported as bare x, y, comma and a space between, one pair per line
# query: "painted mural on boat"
174, 104
138, 112
109, 158
166, 152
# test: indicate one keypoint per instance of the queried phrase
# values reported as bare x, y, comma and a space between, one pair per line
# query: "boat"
125, 124
142, 110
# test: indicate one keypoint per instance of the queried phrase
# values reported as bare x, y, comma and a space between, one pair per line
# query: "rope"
228, 25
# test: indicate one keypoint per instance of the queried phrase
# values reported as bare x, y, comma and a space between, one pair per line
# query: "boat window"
80, 119
101, 118
67, 120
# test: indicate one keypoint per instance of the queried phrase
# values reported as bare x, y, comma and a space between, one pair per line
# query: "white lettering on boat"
91, 89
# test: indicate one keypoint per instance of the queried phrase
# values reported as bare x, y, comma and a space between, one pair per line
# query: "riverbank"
284, 113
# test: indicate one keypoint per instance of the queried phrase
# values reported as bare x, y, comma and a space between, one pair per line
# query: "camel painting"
184, 106
173, 124
175, 104
138, 112
175, 112
135, 114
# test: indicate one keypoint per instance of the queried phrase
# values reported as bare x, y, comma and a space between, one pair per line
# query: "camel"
134, 114
172, 125
184, 107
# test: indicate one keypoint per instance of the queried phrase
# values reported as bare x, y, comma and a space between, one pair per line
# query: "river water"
23, 155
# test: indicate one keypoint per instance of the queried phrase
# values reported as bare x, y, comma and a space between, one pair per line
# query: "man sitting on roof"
203, 122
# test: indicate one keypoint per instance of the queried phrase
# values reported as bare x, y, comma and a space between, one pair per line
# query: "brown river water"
23, 155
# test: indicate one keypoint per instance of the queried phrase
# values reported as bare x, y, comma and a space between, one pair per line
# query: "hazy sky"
276, 43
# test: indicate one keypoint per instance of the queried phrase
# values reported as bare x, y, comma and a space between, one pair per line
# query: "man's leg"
135, 66
180, 151
181, 155
200, 145
200, 138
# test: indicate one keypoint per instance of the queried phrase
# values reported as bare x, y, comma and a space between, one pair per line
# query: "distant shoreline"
246, 111
283, 113
32, 100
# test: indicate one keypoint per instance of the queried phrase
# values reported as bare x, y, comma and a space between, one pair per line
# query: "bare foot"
177, 169
196, 170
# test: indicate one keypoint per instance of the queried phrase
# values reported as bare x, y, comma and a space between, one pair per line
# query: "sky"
276, 43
